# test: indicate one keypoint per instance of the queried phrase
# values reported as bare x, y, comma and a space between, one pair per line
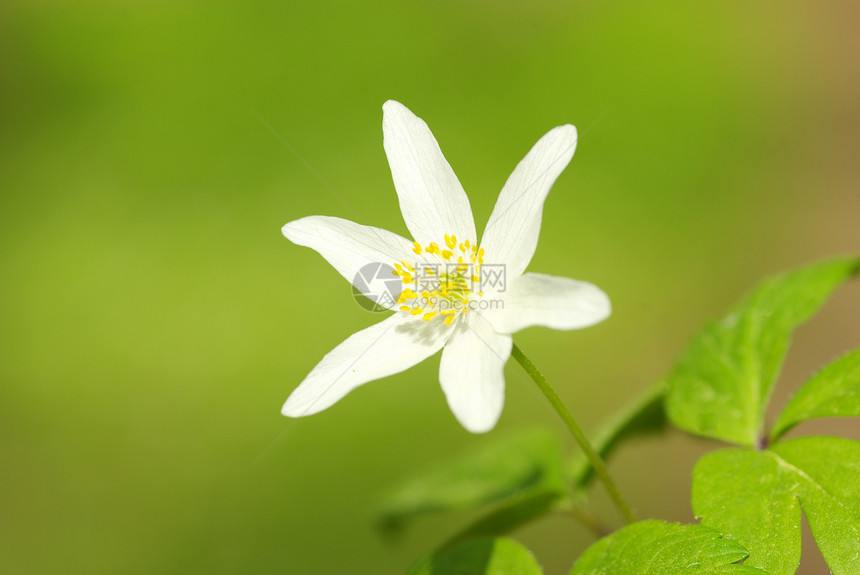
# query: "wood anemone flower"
454, 293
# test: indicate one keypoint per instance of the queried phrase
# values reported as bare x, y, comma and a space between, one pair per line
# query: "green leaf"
722, 383
521, 463
756, 497
485, 556
832, 392
512, 513
741, 493
642, 416
658, 548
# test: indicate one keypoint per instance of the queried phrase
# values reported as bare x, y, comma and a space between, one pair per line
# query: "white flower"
451, 297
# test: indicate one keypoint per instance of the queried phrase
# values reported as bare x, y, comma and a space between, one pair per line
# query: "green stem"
590, 521
576, 432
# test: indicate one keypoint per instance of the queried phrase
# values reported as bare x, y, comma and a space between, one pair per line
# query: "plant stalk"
577, 433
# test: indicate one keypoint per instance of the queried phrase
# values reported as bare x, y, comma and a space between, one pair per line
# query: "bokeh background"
154, 319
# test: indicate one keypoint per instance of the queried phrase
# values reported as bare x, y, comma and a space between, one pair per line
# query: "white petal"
550, 301
389, 347
431, 198
511, 234
472, 373
349, 247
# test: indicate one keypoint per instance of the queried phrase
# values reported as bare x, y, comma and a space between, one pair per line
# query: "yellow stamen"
452, 286
405, 295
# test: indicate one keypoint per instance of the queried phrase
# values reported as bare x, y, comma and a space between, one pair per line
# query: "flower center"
444, 282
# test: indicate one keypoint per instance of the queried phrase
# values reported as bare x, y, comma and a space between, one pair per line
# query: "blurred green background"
154, 319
